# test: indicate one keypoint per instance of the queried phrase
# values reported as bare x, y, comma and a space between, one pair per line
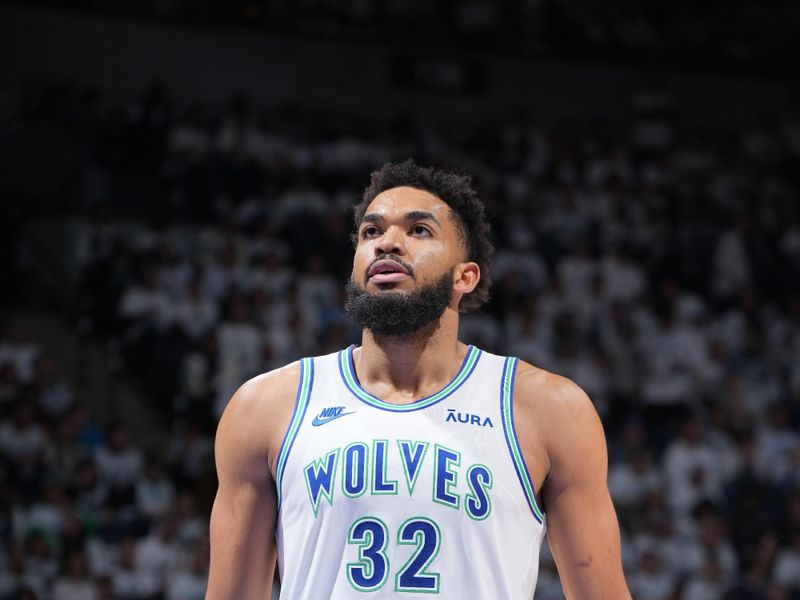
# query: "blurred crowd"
657, 267
85, 514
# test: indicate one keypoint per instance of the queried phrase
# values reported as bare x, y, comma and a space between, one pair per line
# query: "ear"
466, 277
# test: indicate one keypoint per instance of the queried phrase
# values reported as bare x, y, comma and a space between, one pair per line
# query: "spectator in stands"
690, 466
119, 464
76, 584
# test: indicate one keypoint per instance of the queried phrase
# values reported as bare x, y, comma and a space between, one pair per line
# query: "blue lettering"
478, 504
445, 477
380, 485
319, 479
354, 479
454, 416
412, 454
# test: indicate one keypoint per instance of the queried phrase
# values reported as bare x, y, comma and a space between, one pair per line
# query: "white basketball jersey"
379, 500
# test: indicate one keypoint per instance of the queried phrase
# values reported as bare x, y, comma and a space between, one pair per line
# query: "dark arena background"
176, 180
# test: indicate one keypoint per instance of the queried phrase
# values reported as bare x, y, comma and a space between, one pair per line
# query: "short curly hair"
467, 210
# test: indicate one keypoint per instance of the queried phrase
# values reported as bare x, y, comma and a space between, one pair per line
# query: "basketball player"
412, 463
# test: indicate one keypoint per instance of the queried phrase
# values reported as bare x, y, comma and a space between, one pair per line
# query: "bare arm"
243, 518
582, 527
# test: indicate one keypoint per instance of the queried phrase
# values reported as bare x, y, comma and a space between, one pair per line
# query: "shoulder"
261, 408
549, 395
263, 392
557, 413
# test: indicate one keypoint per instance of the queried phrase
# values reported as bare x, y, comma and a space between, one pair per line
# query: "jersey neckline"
347, 371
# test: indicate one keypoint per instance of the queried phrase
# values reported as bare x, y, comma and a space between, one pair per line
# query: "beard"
398, 314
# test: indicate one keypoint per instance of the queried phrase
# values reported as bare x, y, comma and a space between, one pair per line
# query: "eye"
420, 230
370, 231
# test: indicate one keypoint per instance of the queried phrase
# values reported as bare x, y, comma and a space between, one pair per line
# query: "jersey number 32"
371, 571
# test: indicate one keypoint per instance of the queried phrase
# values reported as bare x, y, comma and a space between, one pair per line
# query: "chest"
348, 449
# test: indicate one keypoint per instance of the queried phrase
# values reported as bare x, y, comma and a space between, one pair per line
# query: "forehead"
402, 200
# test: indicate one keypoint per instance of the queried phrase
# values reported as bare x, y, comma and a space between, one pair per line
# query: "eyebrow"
414, 215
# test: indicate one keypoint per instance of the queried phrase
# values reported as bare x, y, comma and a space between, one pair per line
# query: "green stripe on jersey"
348, 374
303, 394
516, 452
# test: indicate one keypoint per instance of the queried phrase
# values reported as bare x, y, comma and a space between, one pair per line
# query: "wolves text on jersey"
360, 468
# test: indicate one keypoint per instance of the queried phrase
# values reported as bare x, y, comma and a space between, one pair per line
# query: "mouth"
386, 271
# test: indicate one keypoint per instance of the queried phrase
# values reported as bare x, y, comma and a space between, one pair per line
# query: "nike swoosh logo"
317, 421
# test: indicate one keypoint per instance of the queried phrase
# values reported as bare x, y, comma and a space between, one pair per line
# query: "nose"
391, 242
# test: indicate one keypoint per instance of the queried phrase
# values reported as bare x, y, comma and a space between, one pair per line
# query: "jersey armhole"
507, 413
298, 414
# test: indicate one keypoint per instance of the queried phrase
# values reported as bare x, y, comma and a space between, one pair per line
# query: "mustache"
393, 257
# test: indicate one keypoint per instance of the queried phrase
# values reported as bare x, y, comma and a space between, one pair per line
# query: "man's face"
416, 231
408, 263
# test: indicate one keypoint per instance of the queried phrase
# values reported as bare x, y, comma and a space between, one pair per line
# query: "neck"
414, 366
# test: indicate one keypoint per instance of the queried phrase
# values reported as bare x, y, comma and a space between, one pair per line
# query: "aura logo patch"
454, 416
329, 414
